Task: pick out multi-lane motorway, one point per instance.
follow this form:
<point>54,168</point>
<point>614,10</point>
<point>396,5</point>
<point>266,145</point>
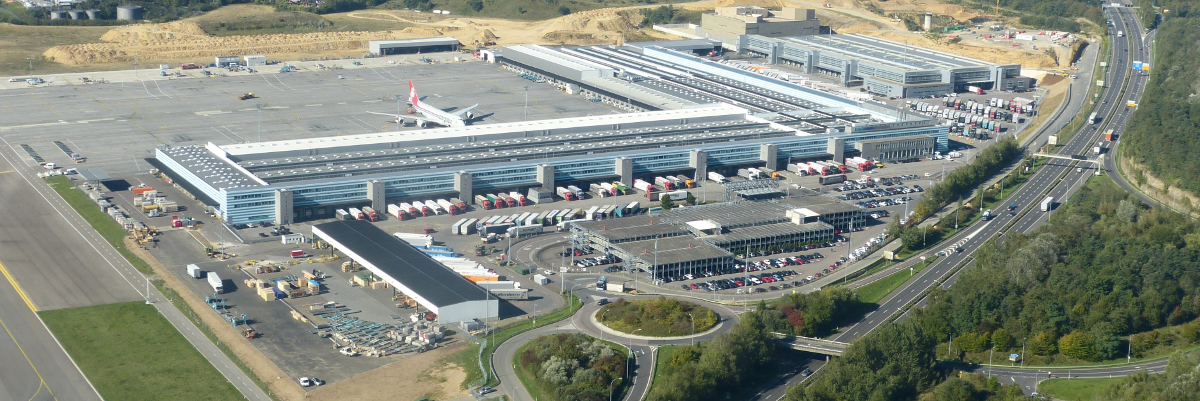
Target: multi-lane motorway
<point>1058,178</point>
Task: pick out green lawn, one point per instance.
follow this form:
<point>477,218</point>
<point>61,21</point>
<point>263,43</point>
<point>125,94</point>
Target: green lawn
<point>106,226</point>
<point>662,359</point>
<point>1075,389</point>
<point>130,352</point>
<point>874,292</point>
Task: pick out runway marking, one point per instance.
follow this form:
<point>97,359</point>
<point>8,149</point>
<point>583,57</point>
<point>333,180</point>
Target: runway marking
<point>211,112</point>
<point>312,105</point>
<point>16,286</point>
<point>6,172</point>
<point>95,120</point>
<point>42,381</point>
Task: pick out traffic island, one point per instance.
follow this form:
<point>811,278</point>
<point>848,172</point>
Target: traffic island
<point>657,318</point>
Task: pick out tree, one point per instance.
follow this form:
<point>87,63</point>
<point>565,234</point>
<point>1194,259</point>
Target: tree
<point>564,10</point>
<point>476,5</point>
<point>1043,343</point>
<point>1001,340</point>
<point>666,202</point>
<point>1107,345</point>
<point>1078,344</point>
<point>954,389</point>
<point>691,199</point>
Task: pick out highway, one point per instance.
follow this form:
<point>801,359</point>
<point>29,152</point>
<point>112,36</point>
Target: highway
<point>1049,180</point>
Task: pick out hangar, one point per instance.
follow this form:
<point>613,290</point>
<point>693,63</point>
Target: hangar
<point>413,46</point>
<point>437,288</point>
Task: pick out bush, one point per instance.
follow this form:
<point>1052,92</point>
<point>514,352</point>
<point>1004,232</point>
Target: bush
<point>571,366</point>
<point>661,317</point>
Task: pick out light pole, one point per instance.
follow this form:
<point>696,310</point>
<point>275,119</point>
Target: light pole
<point>631,356</point>
<point>259,107</point>
<point>526,102</point>
<point>610,387</point>
<point>602,323</point>
<point>693,319</point>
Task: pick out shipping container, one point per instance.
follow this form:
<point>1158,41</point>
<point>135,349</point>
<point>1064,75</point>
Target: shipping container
<point>469,227</point>
<point>518,232</point>
<point>456,229</point>
<point>495,229</point>
<point>828,180</point>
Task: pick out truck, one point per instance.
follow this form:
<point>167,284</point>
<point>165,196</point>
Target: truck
<point>357,213</point>
<point>370,213</point>
<point>521,199</point>
<point>342,214</point>
<point>484,202</point>
<point>412,210</point>
<point>612,190</point>
<point>716,177</point>
<point>564,193</point>
<point>424,208</point>
<point>188,66</point>
<point>1108,135</point>
<point>297,253</point>
<point>462,206</point>
<point>395,210</point>
<point>1047,203</point>
<point>215,282</point>
<point>987,215</point>
<point>1096,150</point>
<point>665,183</point>
<point>600,191</point>
<point>602,283</point>
<point>578,192</point>
<point>975,89</point>
<point>831,179</point>
<point>496,201</point>
<point>450,208</point>
<point>676,195</point>
<point>524,231</point>
<point>622,189</point>
<point>1120,34</point>
<point>508,200</point>
<point>497,229</point>
<point>194,271</point>
<point>642,186</point>
<point>687,182</point>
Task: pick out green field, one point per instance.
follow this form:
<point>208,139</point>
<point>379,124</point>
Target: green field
<point>130,352</point>
<point>1075,389</point>
<point>875,292</point>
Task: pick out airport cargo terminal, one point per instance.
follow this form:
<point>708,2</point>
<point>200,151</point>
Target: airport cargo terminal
<point>691,116</point>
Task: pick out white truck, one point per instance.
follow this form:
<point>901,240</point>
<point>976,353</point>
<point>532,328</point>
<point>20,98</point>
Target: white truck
<point>1047,203</point>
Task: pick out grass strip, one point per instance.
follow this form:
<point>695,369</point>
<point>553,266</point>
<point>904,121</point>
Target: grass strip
<point>875,292</point>
<point>1076,389</point>
<point>106,226</point>
<point>115,234</point>
<point>131,352</point>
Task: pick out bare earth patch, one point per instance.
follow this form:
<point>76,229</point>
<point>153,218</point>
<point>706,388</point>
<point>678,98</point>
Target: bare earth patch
<point>415,377</point>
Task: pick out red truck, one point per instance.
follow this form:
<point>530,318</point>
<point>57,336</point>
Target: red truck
<point>484,202</point>
<point>298,253</point>
<point>188,66</point>
<point>462,206</point>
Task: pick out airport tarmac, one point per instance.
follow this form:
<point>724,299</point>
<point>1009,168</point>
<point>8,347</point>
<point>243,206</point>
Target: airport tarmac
<point>117,125</point>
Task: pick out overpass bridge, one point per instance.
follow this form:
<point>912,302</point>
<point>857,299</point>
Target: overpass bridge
<point>814,345</point>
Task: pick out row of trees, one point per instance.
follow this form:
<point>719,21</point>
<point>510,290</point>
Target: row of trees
<point>573,367</point>
<point>1103,268</point>
<point>728,363</point>
<point>1057,13</point>
<point>1161,134</point>
<point>967,178</point>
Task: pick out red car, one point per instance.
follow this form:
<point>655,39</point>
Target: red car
<point>694,286</point>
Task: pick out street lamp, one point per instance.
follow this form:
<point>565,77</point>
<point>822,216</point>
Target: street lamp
<point>631,356</point>
<point>693,319</point>
<point>602,323</point>
<point>526,102</point>
<point>610,388</point>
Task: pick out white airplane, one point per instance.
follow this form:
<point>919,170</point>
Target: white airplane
<point>430,114</point>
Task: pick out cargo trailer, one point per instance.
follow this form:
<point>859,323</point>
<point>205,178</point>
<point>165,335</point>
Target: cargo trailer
<point>215,282</point>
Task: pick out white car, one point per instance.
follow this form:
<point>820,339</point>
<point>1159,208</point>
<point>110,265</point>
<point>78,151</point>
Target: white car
<point>305,382</point>
<point>347,351</point>
<point>548,273</point>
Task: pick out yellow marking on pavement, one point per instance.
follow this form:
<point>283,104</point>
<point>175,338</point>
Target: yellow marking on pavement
<point>6,172</point>
<point>42,381</point>
<point>16,286</point>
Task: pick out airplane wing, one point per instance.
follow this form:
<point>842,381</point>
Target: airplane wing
<point>385,114</point>
<point>465,111</point>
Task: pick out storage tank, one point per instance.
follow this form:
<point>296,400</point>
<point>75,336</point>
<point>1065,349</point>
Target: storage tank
<point>93,14</point>
<point>58,14</point>
<point>77,14</point>
<point>129,12</point>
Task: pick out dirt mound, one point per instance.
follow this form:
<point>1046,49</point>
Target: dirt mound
<point>422,31</point>
<point>155,32</point>
<point>761,3</point>
<point>485,36</point>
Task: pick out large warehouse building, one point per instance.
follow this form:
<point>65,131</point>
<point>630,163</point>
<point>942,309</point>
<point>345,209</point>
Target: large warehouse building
<point>884,67</point>
<point>695,116</point>
<point>437,288</point>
